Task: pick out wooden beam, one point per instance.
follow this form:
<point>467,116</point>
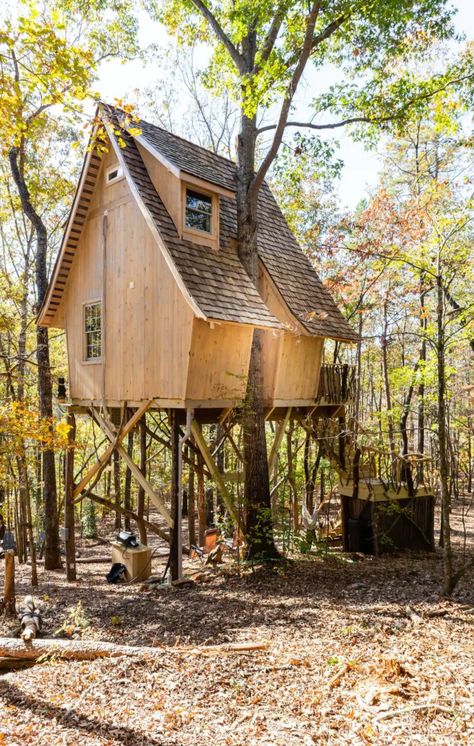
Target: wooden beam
<point>280,431</point>
<point>155,499</point>
<point>104,458</point>
<point>216,474</point>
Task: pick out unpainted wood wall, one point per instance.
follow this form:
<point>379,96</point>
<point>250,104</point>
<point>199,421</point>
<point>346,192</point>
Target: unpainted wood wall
<point>153,345</point>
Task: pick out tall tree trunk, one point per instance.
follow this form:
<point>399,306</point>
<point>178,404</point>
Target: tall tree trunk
<point>52,557</point>
<point>257,500</point>
<point>69,517</point>
<point>421,387</point>
<point>443,442</point>
<point>388,395</point>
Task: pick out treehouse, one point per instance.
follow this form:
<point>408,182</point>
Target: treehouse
<point>154,299</point>
<point>159,312</point>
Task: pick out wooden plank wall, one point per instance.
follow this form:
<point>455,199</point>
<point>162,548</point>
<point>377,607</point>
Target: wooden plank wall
<point>291,359</point>
<point>166,184</point>
<point>148,324</point>
<point>219,361</point>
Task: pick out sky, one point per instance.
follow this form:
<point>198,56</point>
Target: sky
<point>361,167</point>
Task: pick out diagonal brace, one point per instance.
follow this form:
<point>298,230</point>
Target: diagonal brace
<point>155,499</point>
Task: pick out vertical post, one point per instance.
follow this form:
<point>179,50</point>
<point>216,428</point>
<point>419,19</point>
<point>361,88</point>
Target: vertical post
<point>175,546</point>
<point>201,499</point>
<point>191,501</point>
<point>9,586</point>
<point>141,491</point>
<point>69,521</point>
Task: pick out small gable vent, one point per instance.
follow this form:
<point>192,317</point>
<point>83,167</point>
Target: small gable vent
<point>115,173</point>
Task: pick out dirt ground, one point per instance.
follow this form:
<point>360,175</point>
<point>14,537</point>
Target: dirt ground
<point>346,661</point>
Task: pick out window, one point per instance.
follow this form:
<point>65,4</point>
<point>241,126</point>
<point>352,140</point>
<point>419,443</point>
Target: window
<point>93,331</point>
<point>113,174</point>
<point>198,211</point>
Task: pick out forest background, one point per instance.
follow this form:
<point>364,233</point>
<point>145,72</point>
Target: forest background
<point>396,252</point>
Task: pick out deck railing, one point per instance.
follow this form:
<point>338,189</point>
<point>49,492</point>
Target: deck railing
<point>336,384</point>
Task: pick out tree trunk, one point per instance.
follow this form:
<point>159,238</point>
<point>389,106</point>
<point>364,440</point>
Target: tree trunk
<point>421,388</point>
<point>257,501</point>
<point>45,389</point>
<point>443,443</point>
<point>69,521</point>
<point>8,605</point>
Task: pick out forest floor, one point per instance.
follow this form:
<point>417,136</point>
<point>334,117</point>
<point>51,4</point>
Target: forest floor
<point>359,650</point>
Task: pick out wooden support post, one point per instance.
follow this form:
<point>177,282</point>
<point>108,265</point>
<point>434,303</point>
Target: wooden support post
<point>191,503</point>
<point>8,605</point>
<point>215,473</point>
<point>175,547</point>
<point>281,427</point>
<point>69,522</point>
<point>141,491</point>
<point>201,499</point>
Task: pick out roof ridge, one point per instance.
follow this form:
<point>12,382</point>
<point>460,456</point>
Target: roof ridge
<point>173,134</point>
<point>190,142</point>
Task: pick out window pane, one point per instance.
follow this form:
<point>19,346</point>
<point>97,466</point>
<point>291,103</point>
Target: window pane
<point>198,211</point>
<point>93,330</point>
<point>196,201</point>
<point>198,220</point>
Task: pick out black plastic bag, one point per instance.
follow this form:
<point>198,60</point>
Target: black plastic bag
<point>117,573</point>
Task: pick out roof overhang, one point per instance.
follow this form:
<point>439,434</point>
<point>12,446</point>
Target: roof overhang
<point>75,223</point>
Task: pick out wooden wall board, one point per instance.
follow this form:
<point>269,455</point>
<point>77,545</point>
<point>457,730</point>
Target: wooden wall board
<point>219,361</point>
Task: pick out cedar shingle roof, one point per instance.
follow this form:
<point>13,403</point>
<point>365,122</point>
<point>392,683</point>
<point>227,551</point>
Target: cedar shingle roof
<point>289,268</point>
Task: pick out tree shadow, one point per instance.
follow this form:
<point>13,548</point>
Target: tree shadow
<point>71,718</point>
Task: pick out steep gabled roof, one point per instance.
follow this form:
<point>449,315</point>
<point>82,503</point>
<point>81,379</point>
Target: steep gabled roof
<point>214,282</point>
<point>189,157</point>
<point>291,271</point>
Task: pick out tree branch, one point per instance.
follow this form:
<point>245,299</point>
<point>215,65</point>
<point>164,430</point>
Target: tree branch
<point>270,39</point>
<point>220,33</point>
<point>298,72</point>
<point>371,120</point>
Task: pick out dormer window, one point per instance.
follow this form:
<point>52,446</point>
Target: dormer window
<point>113,174</point>
<point>198,212</point>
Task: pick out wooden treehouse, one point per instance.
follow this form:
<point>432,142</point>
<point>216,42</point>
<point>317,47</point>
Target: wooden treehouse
<point>158,310</point>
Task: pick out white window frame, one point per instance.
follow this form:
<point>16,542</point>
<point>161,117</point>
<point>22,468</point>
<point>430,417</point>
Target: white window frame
<point>117,177</point>
<point>87,304</point>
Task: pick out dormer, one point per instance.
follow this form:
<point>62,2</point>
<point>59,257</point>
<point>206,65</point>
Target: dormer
<point>192,202</point>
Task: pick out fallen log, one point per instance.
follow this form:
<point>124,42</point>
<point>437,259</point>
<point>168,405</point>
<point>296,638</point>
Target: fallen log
<point>83,650</point>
